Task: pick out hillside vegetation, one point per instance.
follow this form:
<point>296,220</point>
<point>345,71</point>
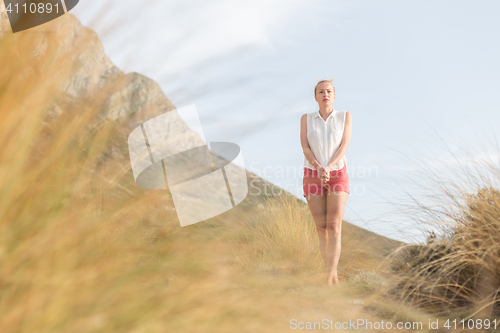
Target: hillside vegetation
<point>83,249</point>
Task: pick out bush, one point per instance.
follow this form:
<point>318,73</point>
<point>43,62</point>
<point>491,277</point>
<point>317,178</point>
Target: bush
<point>459,270</point>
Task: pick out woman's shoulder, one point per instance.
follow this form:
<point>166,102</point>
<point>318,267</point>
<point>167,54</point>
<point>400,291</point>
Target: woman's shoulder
<point>346,113</point>
<point>347,117</point>
<point>305,115</point>
<point>303,119</point>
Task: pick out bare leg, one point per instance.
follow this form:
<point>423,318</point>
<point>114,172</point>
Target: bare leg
<point>335,210</point>
<point>317,205</point>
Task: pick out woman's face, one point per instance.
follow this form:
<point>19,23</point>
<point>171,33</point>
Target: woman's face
<point>324,94</point>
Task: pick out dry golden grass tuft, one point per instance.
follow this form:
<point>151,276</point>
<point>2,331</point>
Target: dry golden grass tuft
<point>457,271</point>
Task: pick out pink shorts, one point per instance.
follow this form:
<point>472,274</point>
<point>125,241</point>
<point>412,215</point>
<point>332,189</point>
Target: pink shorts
<point>339,181</point>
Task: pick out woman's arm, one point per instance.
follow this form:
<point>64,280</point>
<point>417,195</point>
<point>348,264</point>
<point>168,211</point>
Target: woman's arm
<point>346,138</point>
<point>305,145</point>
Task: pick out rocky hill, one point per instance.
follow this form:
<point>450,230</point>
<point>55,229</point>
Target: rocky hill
<point>134,97</point>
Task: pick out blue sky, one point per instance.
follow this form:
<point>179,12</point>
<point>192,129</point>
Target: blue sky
<point>419,77</point>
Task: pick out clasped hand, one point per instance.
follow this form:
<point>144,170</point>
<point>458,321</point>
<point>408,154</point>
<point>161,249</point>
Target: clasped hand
<point>324,173</point>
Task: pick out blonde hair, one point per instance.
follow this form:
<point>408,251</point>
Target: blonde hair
<point>321,81</point>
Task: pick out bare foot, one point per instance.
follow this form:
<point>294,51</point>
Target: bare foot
<point>332,281</point>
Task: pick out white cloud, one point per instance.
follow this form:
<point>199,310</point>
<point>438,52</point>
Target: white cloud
<point>182,33</point>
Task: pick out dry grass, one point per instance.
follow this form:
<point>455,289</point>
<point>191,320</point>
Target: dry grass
<point>458,271</point>
<point>455,273</point>
<point>281,235</point>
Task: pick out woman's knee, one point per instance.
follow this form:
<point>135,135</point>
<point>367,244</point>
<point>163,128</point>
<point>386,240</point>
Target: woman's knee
<point>321,227</point>
<point>335,229</point>
<point>334,216</point>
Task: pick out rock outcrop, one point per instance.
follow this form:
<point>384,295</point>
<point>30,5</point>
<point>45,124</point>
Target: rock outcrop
<point>131,98</point>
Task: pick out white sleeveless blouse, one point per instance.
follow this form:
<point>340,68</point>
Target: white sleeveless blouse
<point>324,138</point>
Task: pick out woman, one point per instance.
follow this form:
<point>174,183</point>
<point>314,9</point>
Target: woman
<point>325,136</point>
